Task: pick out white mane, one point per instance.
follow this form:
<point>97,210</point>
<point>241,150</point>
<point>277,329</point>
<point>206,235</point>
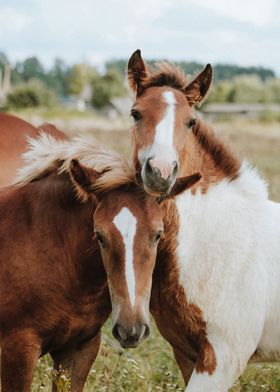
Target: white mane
<point>45,152</point>
<point>250,183</point>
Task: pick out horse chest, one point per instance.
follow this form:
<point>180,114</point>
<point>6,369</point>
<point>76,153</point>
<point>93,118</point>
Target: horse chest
<point>77,322</point>
<point>216,244</point>
<point>180,322</point>
<point>173,328</point>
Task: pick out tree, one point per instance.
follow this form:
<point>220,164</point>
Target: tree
<point>105,87</point>
<point>79,76</point>
<point>221,92</point>
<point>57,77</point>
<point>247,89</point>
<point>273,87</point>
<point>3,60</point>
<point>31,94</point>
<point>31,68</point>
<point>117,66</point>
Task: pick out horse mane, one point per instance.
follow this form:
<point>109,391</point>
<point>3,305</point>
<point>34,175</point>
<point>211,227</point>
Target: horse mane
<point>222,156</point>
<point>166,74</point>
<point>47,154</point>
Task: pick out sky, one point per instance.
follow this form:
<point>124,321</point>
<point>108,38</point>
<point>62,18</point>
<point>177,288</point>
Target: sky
<point>244,32</point>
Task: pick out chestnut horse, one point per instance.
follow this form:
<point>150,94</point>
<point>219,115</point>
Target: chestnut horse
<point>215,295</point>
<point>14,133</point>
<point>55,283</point>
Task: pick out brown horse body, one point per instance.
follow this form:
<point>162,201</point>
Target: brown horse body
<point>54,293</point>
<point>54,289</point>
<point>73,336</point>
<point>13,143</point>
<point>69,330</point>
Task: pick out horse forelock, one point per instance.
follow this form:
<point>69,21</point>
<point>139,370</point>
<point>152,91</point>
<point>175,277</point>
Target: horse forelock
<point>166,74</point>
<point>47,154</point>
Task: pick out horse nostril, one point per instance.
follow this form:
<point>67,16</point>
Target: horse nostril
<point>146,331</point>
<point>118,332</point>
<point>175,168</point>
<point>149,167</point>
<point>143,332</point>
<point>152,170</point>
<point>115,331</point>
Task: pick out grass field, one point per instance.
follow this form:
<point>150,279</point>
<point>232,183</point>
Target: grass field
<point>151,366</point>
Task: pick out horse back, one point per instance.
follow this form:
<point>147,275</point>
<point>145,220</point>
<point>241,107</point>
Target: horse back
<point>13,143</point>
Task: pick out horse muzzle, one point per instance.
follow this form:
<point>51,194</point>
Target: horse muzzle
<point>158,181</point>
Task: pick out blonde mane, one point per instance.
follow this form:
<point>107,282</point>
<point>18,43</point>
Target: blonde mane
<point>47,154</point>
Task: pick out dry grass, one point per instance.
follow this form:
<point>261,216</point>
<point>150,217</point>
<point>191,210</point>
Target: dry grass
<point>151,367</point>
<point>260,144</point>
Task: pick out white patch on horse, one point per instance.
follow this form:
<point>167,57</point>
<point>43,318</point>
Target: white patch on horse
<point>228,255</point>
<point>163,146</point>
<point>126,224</point>
<point>165,128</point>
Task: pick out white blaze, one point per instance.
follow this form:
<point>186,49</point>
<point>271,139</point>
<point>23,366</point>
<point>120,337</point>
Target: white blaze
<point>126,223</point>
<point>162,147</point>
<point>165,128</point>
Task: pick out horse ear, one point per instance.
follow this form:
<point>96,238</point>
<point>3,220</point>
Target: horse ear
<point>198,88</point>
<point>136,72</point>
<point>184,183</point>
<point>83,178</point>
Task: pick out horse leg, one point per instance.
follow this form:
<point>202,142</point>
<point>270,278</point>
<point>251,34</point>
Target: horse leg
<point>19,357</point>
<point>185,364</point>
<point>77,361</point>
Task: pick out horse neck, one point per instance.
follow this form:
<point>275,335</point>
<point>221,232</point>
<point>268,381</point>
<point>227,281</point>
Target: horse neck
<point>167,292</point>
<point>65,225</point>
<point>204,152</point>
<point>166,272</point>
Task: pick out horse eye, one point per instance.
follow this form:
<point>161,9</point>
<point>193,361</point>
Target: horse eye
<point>136,115</point>
<point>99,238</point>
<point>191,123</point>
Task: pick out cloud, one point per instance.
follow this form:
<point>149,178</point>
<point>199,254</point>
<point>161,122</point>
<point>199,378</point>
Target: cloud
<point>257,12</point>
<point>244,32</point>
<point>12,21</point>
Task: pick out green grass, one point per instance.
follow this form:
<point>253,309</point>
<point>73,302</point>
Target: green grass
<point>53,113</point>
<point>151,366</point>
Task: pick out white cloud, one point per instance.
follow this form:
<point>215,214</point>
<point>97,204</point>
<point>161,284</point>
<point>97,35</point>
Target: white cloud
<point>257,12</point>
<point>13,21</point>
<point>243,31</point>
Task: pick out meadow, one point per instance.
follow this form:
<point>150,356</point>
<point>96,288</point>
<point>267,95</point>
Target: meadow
<point>151,366</point>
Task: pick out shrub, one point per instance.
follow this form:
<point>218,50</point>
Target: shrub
<point>101,93</point>
<point>247,89</point>
<point>30,94</point>
<point>104,88</point>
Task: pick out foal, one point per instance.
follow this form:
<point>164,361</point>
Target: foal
<point>218,269</point>
<point>54,287</point>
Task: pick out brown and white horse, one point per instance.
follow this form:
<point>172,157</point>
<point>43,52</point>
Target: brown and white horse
<point>215,293</point>
<point>14,133</point>
<point>164,117</point>
<point>55,284</point>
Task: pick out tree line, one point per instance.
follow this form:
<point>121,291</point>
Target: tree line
<point>34,85</point>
